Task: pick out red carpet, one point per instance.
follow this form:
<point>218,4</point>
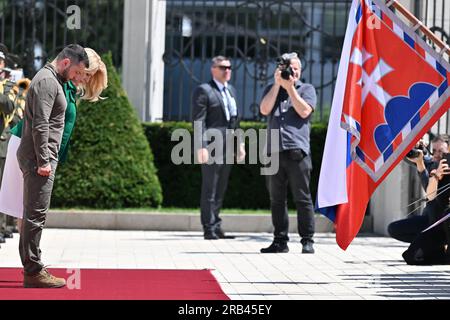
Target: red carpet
<point>113,284</point>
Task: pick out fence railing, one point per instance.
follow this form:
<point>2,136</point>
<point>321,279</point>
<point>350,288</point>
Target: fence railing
<point>436,15</point>
<point>36,30</point>
<point>253,34</point>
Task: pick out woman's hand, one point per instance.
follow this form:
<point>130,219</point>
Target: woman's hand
<point>442,169</point>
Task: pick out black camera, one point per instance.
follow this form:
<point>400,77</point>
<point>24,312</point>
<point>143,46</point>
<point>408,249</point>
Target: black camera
<point>284,64</point>
<point>446,156</point>
<point>415,152</point>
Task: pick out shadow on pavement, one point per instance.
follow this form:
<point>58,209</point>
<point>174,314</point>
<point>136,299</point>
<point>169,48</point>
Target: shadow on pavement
<point>424,284</point>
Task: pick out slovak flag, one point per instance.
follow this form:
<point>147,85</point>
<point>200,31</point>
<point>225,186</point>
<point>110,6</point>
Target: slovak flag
<point>391,88</point>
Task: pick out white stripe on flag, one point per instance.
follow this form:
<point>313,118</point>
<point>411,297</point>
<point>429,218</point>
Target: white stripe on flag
<point>346,118</point>
<point>398,31</point>
<point>379,163</point>
<point>434,97</point>
<point>332,188</point>
<point>353,123</point>
<point>431,61</point>
<point>406,130</point>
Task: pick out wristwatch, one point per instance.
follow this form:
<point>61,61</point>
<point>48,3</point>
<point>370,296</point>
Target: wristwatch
<point>434,175</point>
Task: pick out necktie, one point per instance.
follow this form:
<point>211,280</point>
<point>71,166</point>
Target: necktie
<point>230,104</point>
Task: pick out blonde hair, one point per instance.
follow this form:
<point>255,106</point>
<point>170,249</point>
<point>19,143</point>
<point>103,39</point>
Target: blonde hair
<point>98,81</point>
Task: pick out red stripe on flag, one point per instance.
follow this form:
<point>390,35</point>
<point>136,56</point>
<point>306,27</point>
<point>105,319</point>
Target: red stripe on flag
<point>388,21</point>
<point>370,164</point>
<point>423,111</point>
<point>350,215</point>
<point>419,50</point>
<point>397,142</point>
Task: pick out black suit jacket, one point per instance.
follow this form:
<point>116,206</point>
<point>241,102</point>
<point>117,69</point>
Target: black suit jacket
<point>208,110</point>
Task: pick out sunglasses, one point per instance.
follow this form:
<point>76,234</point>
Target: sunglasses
<point>223,68</point>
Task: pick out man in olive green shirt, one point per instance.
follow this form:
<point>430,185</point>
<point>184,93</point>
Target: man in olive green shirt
<point>38,156</point>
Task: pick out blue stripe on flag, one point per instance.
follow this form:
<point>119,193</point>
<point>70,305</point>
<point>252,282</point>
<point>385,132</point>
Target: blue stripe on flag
<point>349,154</point>
<point>358,14</point>
<point>441,69</point>
<point>414,121</point>
<point>388,153</point>
<point>408,40</point>
<point>329,212</point>
<point>442,88</point>
<point>360,154</point>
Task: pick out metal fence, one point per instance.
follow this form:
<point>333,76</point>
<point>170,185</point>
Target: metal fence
<point>253,34</point>
<point>36,30</point>
<point>436,15</point>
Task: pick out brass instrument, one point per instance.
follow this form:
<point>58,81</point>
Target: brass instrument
<point>21,89</point>
<point>21,86</point>
<point>17,92</point>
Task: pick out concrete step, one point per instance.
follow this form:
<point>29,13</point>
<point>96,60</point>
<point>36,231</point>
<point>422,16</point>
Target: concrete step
<point>156,221</point>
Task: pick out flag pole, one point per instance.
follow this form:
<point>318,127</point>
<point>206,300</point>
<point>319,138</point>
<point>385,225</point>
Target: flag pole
<point>417,23</point>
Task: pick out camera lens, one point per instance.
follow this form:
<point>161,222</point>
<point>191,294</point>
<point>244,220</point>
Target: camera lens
<point>414,153</point>
<point>285,74</point>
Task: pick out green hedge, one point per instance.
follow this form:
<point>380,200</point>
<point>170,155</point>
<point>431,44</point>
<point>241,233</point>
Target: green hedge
<point>110,164</point>
<point>181,184</point>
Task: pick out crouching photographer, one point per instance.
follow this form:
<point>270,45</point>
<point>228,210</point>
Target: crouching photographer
<point>431,245</point>
<point>408,229</point>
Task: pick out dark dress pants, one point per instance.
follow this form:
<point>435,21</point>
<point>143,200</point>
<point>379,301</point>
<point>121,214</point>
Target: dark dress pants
<point>408,229</point>
<point>36,199</point>
<point>214,185</point>
<point>297,174</point>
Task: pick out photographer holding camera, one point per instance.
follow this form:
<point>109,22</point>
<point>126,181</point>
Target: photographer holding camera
<point>431,246</point>
<point>289,103</point>
<point>408,229</point>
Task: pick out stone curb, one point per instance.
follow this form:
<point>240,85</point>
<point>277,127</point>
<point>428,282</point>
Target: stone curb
<point>155,221</point>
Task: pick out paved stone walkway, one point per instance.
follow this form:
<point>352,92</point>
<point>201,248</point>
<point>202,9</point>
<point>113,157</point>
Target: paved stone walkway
<point>371,268</point>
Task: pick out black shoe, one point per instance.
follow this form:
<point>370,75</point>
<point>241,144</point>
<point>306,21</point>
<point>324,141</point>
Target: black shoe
<point>276,247</point>
<point>2,239</point>
<point>308,247</point>
<point>12,229</point>
<point>222,235</point>
<point>7,234</point>
<point>210,236</point>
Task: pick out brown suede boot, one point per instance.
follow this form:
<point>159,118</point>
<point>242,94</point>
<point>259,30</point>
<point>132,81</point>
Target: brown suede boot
<point>43,279</point>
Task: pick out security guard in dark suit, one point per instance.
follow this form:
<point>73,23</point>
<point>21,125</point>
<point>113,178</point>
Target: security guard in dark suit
<point>214,107</point>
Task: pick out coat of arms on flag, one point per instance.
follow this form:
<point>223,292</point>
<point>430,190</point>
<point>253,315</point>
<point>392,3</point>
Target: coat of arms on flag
<point>391,88</point>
